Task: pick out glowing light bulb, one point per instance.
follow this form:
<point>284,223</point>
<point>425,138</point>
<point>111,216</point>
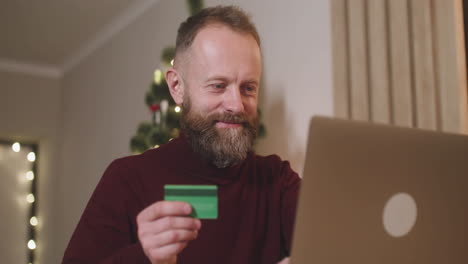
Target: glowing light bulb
<point>30,198</point>
<point>29,175</point>
<point>31,156</point>
<point>16,147</point>
<point>177,109</point>
<point>33,221</point>
<point>31,244</point>
<point>157,76</point>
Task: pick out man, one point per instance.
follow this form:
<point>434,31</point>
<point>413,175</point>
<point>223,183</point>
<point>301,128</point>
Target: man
<point>216,77</point>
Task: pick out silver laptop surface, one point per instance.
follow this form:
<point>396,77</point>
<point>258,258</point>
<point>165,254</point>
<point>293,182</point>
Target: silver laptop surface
<point>379,194</point>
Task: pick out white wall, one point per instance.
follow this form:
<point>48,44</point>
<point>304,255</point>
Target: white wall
<point>103,98</point>
<point>30,110</point>
<point>104,103</point>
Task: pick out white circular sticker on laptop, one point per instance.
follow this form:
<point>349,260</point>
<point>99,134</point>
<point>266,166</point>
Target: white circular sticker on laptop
<point>399,214</point>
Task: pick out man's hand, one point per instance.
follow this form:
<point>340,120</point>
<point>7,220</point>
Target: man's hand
<point>164,230</point>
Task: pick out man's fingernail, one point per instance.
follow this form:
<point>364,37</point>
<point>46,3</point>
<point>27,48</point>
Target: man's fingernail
<point>188,209</point>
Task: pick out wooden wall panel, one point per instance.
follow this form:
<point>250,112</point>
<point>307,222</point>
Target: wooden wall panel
<point>451,64</point>
<point>379,75</point>
<point>340,58</point>
<point>400,58</point>
<point>358,60</point>
<point>401,62</point>
<point>423,66</point>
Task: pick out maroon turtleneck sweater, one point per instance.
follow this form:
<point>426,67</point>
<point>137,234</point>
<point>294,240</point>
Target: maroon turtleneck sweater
<point>256,199</point>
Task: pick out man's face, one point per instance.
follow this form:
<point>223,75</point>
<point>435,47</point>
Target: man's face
<point>221,78</point>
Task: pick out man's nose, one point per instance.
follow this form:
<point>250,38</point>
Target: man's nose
<point>233,101</point>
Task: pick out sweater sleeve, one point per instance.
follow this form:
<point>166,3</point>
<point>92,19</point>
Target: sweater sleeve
<point>105,233</point>
<point>289,197</point>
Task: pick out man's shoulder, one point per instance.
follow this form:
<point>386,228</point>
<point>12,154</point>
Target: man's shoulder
<point>272,159</point>
<point>149,157</point>
<point>268,159</point>
<point>274,169</point>
<point>272,162</point>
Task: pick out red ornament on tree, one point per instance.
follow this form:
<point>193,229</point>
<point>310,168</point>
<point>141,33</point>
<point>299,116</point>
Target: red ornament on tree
<point>154,107</point>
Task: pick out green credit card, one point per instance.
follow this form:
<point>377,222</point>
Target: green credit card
<point>202,198</point>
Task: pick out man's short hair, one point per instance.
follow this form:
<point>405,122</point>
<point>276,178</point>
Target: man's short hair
<point>232,16</point>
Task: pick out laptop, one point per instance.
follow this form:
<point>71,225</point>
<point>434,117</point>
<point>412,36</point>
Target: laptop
<point>377,194</point>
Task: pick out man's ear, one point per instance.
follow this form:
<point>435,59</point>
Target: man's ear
<point>174,81</point>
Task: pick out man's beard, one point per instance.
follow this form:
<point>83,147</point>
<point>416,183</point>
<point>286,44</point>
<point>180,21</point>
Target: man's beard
<point>223,147</point>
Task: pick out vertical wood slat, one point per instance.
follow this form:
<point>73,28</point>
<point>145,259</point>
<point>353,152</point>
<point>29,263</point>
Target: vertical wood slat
<point>378,61</point>
<point>426,80</point>
<point>358,60</point>
<point>340,58</point>
<point>400,63</point>
<point>451,65</point>
<point>423,59</point>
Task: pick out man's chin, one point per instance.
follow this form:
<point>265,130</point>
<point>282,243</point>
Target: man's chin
<point>230,132</point>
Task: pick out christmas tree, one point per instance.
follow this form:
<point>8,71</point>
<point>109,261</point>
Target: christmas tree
<point>165,114</point>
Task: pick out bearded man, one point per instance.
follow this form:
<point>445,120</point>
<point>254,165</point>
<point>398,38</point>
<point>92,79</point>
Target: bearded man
<point>216,79</point>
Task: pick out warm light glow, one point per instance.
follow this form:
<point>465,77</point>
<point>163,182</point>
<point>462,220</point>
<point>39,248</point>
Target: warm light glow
<point>29,175</point>
<point>30,198</point>
<point>33,221</point>
<point>16,147</point>
<point>177,109</point>
<point>156,146</point>
<point>157,76</point>
<point>172,62</point>
<point>31,156</point>
<point>31,244</point>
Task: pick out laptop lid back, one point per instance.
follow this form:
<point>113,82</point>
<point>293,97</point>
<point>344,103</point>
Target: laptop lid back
<point>382,194</point>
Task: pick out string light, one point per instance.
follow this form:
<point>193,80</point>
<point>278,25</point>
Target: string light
<point>16,147</point>
<point>30,198</point>
<point>157,76</point>
<point>177,109</point>
<point>33,221</point>
<point>31,244</point>
<point>29,175</point>
<point>31,156</point>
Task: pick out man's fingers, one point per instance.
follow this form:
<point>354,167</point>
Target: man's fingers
<point>162,209</point>
<point>164,229</point>
<point>173,237</point>
<point>170,222</point>
<point>168,252</point>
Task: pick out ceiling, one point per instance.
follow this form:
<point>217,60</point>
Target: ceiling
<point>57,33</point>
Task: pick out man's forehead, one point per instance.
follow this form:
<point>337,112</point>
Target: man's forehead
<point>217,50</point>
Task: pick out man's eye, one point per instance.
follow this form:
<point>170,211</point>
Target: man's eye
<point>250,89</point>
<point>219,85</point>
